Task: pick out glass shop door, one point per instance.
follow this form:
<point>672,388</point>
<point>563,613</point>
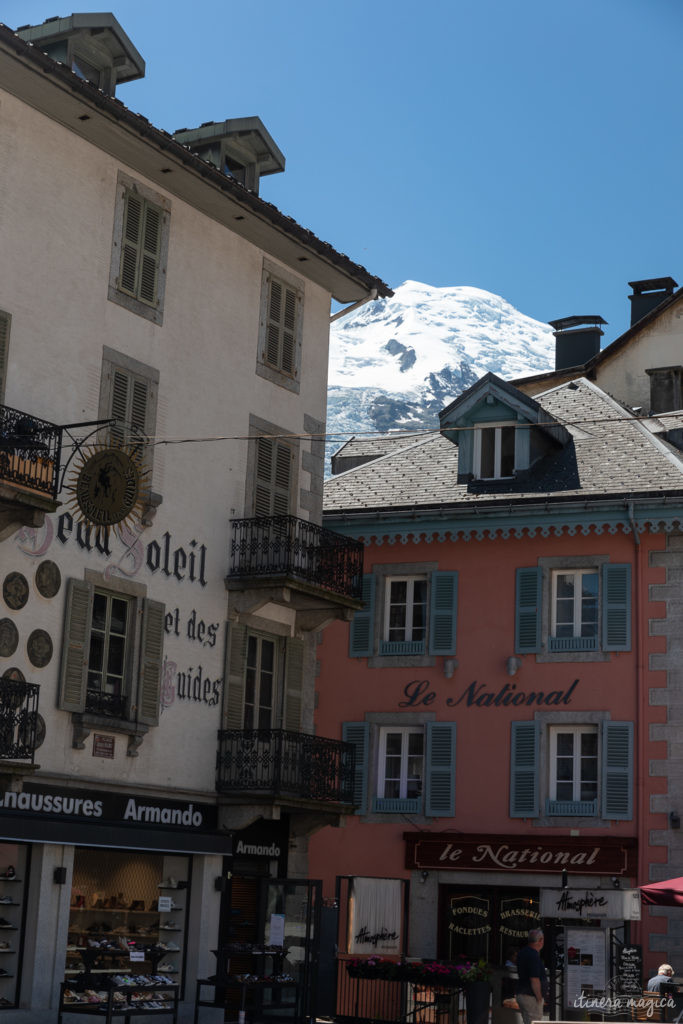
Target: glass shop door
<point>292,919</point>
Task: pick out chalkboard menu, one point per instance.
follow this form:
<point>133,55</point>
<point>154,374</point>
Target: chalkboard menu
<point>630,970</point>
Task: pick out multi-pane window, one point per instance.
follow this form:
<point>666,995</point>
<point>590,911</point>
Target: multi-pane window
<point>107,654</point>
<point>401,763</point>
<point>406,610</point>
<point>575,604</point>
<point>259,683</point>
<point>140,248</point>
<point>494,452</point>
<point>574,763</point>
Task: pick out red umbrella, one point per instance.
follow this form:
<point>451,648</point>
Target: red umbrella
<point>664,894</point>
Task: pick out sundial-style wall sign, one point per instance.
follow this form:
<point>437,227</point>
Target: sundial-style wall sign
<point>108,486</point>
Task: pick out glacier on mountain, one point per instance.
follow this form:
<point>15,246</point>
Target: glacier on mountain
<point>396,362</point>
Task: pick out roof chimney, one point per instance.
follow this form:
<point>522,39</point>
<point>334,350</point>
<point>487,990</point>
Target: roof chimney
<point>577,339</point>
<point>94,46</point>
<point>240,147</point>
<point>647,295</point>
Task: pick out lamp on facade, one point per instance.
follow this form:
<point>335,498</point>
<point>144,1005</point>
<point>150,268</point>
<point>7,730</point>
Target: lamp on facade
<point>513,665</point>
<point>449,667</point>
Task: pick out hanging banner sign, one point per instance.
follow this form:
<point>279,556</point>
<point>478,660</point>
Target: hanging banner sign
<point>375,906</point>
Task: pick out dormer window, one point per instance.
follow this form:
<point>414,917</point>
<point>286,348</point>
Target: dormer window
<point>494,451</point>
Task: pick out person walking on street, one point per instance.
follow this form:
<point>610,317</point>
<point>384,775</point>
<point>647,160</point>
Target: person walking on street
<point>532,982</point>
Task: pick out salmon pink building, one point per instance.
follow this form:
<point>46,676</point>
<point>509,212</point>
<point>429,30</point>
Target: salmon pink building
<point>502,687</point>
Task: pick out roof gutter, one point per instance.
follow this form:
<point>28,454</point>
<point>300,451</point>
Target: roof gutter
<point>370,297</point>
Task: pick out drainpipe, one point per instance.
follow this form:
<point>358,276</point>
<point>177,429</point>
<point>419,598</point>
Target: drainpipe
<point>355,305</point>
<point>641,723</point>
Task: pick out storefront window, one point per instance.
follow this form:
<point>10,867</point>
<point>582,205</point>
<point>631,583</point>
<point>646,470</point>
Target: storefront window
<point>490,923</point>
<point>128,913</point>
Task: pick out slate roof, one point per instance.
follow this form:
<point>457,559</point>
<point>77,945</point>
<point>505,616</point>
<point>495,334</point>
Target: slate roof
<point>359,447</point>
<point>610,454</point>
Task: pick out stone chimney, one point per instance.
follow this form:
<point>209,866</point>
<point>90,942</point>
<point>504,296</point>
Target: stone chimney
<point>647,295</point>
<point>577,339</point>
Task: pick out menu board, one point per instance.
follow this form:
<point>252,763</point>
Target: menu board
<point>585,964</point>
<point>630,970</point>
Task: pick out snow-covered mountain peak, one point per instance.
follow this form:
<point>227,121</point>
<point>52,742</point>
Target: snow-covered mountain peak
<point>396,362</point>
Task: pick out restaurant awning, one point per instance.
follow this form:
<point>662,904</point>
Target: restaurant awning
<point>668,893</point>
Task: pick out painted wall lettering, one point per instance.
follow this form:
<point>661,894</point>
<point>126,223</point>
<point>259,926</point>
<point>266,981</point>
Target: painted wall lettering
<point>418,693</point>
<point>195,629</point>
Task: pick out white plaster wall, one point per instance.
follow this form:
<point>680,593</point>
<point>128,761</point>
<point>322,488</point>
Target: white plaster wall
<point>57,195</point>
<point>660,344</point>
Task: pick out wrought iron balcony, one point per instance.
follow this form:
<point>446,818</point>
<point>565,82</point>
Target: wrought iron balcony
<point>277,763</point>
<point>30,451</point>
<point>284,546</point>
<point>111,704</point>
<point>19,721</point>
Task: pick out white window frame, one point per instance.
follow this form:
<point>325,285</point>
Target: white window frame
<point>256,704</point>
<point>125,677</point>
<point>577,731</point>
<point>497,427</point>
<point>405,731</point>
<point>578,604</point>
<point>410,607</point>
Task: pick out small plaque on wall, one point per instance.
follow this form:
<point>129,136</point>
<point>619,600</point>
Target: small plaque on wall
<point>102,746</point>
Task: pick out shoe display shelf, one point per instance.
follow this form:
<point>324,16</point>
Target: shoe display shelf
<point>11,893</point>
<point>108,927</point>
<point>128,996</point>
<point>265,992</point>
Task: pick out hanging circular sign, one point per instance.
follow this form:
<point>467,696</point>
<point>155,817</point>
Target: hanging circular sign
<point>107,488</point>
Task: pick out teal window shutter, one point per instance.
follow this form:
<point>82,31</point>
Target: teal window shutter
<point>528,611</point>
<point>443,610</point>
<point>617,771</point>
<point>357,734</point>
<point>440,770</point>
<point>361,640</point>
<point>616,607</point>
<point>524,770</point>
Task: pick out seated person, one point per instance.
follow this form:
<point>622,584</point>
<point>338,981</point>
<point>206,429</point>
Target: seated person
<point>663,976</point>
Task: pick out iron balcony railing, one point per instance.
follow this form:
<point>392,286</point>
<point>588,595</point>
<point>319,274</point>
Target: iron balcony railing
<point>19,722</point>
<point>280,763</point>
<point>30,451</point>
<point>111,704</point>
<point>287,546</point>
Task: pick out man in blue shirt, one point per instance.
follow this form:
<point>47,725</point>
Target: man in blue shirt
<point>662,977</point>
<point>532,978</point>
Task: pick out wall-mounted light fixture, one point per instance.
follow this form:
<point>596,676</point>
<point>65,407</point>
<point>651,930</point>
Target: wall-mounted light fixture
<point>616,882</point>
<point>59,876</point>
<point>674,819</point>
<point>513,665</point>
<point>424,875</point>
<point>449,667</point>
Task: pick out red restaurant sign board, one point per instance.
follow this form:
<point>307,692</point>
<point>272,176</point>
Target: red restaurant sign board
<point>451,851</point>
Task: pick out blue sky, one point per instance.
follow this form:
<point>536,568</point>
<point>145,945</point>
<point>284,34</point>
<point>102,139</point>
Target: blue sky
<point>528,147</point>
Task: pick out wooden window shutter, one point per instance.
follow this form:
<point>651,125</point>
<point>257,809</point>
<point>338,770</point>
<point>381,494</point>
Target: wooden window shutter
<point>130,243</point>
<point>528,611</point>
<point>120,388</point>
<point>132,406</point>
<point>5,322</point>
<point>357,734</point>
<point>151,247</point>
<point>617,771</point>
<point>440,770</point>
<point>616,607</point>
<point>76,646</point>
<point>237,658</point>
<point>151,656</point>
<point>273,477</point>
<point>443,610</point>
<point>273,323</point>
<point>294,675</point>
<point>524,770</point>
<point>361,635</point>
<point>289,330</point>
